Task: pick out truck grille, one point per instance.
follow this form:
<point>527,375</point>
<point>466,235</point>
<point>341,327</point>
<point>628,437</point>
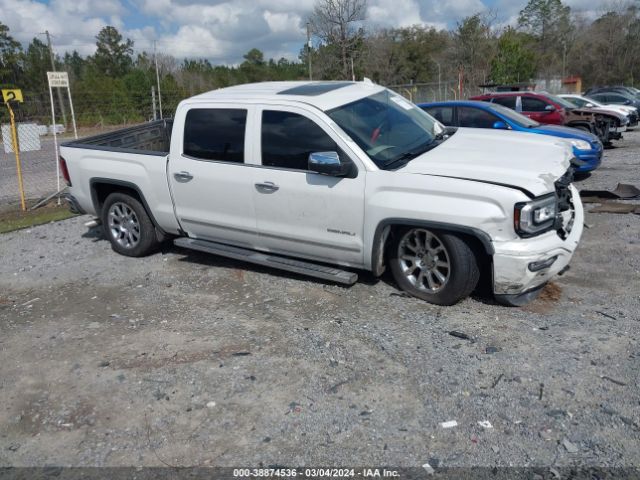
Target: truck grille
<point>566,209</point>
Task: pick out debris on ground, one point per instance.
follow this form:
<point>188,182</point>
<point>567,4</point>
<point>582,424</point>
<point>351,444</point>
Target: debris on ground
<point>606,315</point>
<point>491,349</point>
<point>616,207</point>
<point>449,424</point>
<point>461,335</point>
<point>613,380</point>
<point>430,470</point>
<point>569,446</point>
<point>622,191</point>
<point>485,424</point>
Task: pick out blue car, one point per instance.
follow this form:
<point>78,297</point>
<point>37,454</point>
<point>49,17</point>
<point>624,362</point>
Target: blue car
<point>587,148</point>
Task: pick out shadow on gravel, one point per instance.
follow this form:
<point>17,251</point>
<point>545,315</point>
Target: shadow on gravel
<point>94,234</point>
<point>579,176</point>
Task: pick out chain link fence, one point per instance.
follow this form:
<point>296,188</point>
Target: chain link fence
<point>96,113</point>
<point>435,91</point>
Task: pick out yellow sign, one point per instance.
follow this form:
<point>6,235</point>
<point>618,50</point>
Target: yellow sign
<point>12,95</point>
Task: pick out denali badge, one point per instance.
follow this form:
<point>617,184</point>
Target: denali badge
<point>341,232</point>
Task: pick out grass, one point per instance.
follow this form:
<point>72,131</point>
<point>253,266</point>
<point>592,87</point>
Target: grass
<point>16,220</point>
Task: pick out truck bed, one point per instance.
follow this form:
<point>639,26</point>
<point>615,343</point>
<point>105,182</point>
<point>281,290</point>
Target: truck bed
<point>152,138</point>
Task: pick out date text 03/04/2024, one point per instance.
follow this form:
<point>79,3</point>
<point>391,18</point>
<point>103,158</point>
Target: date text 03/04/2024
<point>315,473</point>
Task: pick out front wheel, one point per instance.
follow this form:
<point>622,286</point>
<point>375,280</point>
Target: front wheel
<point>127,226</point>
<point>438,267</point>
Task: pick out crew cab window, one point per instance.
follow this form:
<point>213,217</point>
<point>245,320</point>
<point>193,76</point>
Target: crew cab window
<point>507,101</point>
<point>215,134</point>
<point>475,118</point>
<point>530,104</point>
<point>289,138</point>
<point>442,114</point>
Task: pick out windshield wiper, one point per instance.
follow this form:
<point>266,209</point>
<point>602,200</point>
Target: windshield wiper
<point>408,156</point>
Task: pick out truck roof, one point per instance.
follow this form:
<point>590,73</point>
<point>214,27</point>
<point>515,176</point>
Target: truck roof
<point>320,94</point>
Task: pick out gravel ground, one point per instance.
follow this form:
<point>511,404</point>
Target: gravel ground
<point>185,359</point>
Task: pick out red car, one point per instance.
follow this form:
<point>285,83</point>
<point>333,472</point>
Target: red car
<point>536,106</point>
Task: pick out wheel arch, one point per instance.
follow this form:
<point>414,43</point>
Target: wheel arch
<point>101,188</point>
<point>384,230</point>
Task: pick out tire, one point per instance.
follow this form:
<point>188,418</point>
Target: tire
<point>435,266</point>
<point>127,225</point>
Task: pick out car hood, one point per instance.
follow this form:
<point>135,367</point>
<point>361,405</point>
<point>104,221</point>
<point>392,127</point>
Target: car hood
<point>567,132</point>
<point>518,160</point>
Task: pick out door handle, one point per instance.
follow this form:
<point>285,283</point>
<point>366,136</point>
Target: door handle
<point>268,187</point>
<point>183,177</point>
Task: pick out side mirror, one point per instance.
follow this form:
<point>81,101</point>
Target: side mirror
<point>549,108</point>
<point>500,126</point>
<point>328,163</point>
<point>589,105</point>
<point>627,102</point>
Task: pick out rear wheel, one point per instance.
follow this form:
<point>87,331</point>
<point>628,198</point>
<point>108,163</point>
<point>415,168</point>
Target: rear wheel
<point>438,267</point>
<point>127,226</point>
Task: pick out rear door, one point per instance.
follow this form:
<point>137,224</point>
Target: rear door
<point>444,114</point>
<point>210,182</point>
<point>299,212</point>
<point>508,101</point>
<point>471,117</point>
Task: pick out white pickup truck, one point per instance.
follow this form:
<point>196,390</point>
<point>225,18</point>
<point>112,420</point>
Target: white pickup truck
<point>312,177</point>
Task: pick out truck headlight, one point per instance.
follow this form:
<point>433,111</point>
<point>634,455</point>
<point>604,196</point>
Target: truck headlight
<point>581,144</point>
<point>535,217</point>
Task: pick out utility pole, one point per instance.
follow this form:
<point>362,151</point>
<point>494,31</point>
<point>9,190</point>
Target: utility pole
<point>153,102</point>
<point>155,57</point>
<point>53,69</point>
<point>564,60</point>
<point>439,83</point>
<point>309,48</point>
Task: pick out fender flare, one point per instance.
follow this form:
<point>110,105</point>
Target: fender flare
<point>120,183</point>
<point>381,233</point>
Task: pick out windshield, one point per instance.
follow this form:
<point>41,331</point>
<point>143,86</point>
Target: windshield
<point>388,127</point>
<point>562,101</point>
<point>515,117</point>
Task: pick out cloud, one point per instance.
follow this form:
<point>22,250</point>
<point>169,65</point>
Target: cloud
<point>223,30</point>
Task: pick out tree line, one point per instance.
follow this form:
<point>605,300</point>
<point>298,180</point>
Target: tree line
<point>114,85</point>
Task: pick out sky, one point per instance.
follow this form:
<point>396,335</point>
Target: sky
<point>223,30</point>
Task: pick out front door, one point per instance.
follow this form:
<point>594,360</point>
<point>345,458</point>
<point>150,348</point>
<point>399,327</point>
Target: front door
<point>299,212</point>
<point>536,109</point>
<point>209,179</point>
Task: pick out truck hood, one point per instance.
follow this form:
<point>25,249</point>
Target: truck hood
<point>524,161</point>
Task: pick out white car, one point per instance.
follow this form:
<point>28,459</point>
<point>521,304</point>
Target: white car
<point>311,177</point>
<point>586,102</point>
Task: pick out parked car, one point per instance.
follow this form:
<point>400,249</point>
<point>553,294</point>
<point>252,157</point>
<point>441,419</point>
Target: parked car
<point>609,125</point>
<point>533,105</point>
<point>547,109</point>
<point>298,175</point>
<point>615,98</point>
<point>587,148</point>
<point>584,102</point>
<point>634,92</point>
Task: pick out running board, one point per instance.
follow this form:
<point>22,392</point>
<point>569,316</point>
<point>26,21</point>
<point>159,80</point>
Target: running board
<point>267,260</point>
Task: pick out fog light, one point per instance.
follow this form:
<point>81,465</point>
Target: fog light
<point>542,264</point>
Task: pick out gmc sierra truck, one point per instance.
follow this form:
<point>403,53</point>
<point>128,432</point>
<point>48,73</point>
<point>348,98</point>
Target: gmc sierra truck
<point>324,178</point>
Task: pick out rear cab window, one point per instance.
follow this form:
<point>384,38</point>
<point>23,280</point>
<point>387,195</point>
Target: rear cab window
<point>215,134</point>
